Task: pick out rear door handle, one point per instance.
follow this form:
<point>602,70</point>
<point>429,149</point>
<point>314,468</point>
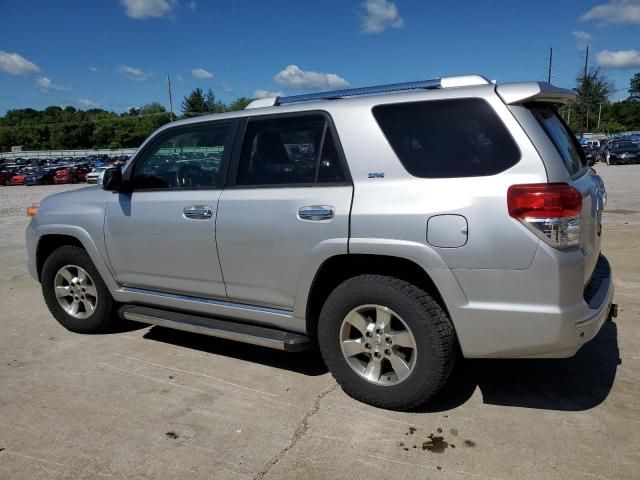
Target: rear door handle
<point>197,212</point>
<point>316,213</point>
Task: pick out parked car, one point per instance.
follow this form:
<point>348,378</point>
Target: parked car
<point>70,174</point>
<point>42,176</point>
<point>590,154</point>
<point>455,215</point>
<point>92,177</point>
<point>5,177</point>
<point>19,175</point>
<point>622,153</point>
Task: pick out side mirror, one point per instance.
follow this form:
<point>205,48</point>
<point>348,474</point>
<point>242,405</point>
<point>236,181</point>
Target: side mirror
<point>110,178</point>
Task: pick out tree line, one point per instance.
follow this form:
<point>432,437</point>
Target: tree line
<point>56,128</point>
<point>594,112</point>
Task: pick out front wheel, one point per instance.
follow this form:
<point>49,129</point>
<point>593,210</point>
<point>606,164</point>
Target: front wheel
<point>387,342</point>
<point>75,293</point>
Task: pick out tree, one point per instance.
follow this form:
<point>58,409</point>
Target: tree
<point>592,90</point>
<point>634,87</point>
<point>194,103</point>
<point>238,104</point>
<point>212,105</point>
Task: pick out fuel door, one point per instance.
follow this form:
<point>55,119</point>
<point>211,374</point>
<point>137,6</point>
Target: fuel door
<point>447,231</point>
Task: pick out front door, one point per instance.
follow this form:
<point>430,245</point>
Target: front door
<point>162,236</point>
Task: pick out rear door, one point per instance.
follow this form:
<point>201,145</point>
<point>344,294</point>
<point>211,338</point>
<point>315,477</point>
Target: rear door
<point>289,195</point>
<point>590,185</point>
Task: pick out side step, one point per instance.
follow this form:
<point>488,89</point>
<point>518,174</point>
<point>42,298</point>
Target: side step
<point>241,332</point>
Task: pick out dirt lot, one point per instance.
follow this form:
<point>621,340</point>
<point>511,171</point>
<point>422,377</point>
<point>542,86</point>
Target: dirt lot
<point>152,403</point>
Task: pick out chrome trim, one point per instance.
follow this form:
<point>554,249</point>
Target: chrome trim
<point>316,213</point>
<point>197,212</point>
<point>269,316</point>
<point>212,332</point>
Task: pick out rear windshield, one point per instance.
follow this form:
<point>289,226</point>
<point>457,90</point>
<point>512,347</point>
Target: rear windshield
<point>631,146</point>
<point>565,141</point>
<point>448,138</point>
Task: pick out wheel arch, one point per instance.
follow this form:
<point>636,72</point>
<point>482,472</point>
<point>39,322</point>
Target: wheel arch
<point>339,268</point>
<point>51,238</point>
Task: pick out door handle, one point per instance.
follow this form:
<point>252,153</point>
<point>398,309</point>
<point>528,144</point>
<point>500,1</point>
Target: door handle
<point>316,213</point>
<point>197,212</point>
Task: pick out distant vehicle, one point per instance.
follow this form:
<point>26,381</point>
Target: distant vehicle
<point>5,177</point>
<point>622,153</point>
<point>18,177</point>
<point>590,153</point>
<point>42,176</point>
<point>92,177</point>
<point>70,174</point>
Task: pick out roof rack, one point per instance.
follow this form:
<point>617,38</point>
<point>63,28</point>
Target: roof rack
<point>444,82</point>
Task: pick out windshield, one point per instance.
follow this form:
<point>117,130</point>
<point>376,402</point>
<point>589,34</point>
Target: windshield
<point>565,141</point>
<point>626,146</point>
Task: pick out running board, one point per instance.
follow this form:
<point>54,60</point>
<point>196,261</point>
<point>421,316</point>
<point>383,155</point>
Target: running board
<point>241,332</point>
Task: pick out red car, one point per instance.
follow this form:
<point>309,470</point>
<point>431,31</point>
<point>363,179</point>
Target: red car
<point>18,177</point>
<point>5,178</point>
<point>70,175</point>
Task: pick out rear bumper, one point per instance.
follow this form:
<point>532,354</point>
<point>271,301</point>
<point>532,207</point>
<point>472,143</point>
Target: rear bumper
<point>537,330</point>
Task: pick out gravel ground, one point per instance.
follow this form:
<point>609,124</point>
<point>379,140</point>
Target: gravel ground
<point>15,200</point>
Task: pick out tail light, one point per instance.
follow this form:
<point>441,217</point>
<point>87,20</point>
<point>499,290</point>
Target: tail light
<point>550,210</point>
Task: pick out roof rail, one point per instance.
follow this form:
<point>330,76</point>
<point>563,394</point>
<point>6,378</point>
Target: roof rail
<point>445,82</point>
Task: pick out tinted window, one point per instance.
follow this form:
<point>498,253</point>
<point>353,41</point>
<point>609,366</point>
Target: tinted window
<point>187,158</point>
<point>448,138</point>
<point>288,150</point>
<point>565,141</point>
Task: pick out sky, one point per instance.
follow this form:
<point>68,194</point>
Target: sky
<point>116,54</point>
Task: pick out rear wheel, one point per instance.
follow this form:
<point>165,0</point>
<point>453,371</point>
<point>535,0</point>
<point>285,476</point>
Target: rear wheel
<point>386,341</point>
<point>75,293</point>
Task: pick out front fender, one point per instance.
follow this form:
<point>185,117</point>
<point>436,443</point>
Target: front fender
<point>36,233</point>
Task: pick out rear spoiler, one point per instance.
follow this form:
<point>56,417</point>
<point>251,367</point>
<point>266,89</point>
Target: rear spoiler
<point>515,93</point>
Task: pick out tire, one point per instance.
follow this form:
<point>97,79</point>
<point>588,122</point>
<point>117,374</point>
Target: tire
<point>67,260</point>
<point>411,309</point>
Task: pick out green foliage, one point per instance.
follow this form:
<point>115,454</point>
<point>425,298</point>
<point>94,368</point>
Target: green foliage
<point>238,104</point>
<point>634,87</point>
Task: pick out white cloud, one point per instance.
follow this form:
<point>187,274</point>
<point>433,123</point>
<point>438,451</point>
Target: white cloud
<point>266,94</point>
<point>85,102</point>
<point>94,69</point>
<point>201,74</point>
<point>582,39</point>
<point>192,6</point>
<point>16,64</point>
<point>140,9</point>
<point>294,76</point>
<point>46,85</point>
<point>133,73</point>
<point>381,14</point>
<point>180,78</point>
<point>620,60</point>
<point>616,11</point>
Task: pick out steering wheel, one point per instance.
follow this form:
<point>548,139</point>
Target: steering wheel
<point>188,175</point>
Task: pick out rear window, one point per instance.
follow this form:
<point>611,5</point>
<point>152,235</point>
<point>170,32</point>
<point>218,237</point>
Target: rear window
<point>448,138</point>
<point>565,141</point>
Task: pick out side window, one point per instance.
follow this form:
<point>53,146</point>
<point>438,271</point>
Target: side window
<point>187,158</point>
<point>330,169</point>
<point>288,150</point>
<point>448,138</point>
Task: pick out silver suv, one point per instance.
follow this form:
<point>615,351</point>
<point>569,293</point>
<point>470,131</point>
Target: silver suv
<point>396,226</point>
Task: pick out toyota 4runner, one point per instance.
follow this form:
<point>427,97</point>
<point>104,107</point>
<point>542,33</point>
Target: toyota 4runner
<point>397,226</point>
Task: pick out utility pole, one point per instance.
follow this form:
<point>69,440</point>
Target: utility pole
<point>550,64</point>
<point>170,97</point>
<point>585,88</point>
<point>599,113</point>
